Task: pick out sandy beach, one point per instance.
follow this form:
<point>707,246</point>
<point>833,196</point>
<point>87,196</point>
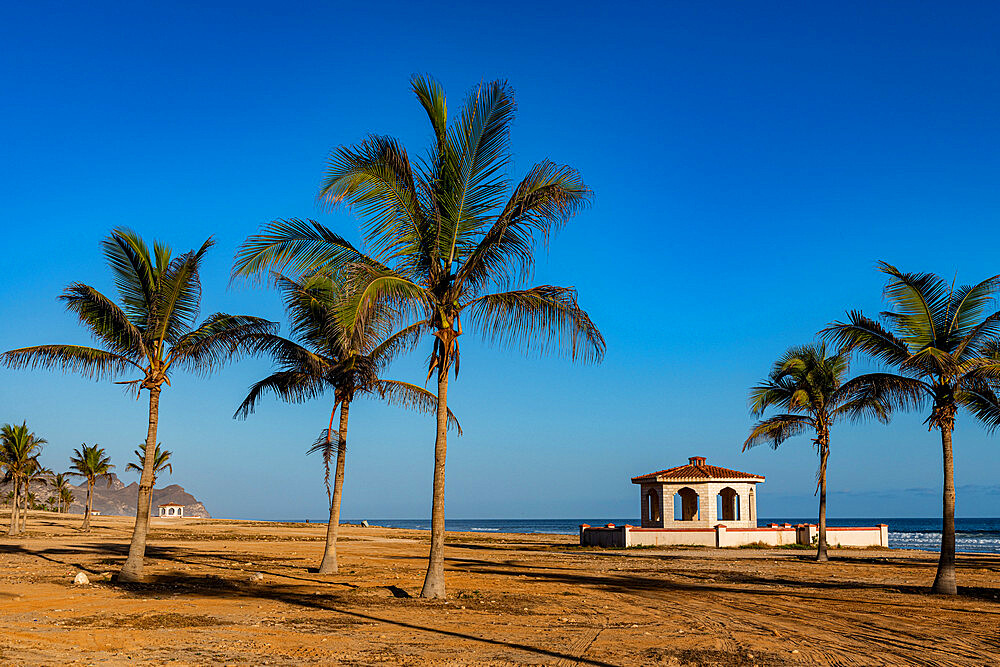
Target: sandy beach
<point>514,599</point>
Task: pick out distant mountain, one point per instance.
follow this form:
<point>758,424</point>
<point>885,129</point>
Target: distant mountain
<point>120,499</point>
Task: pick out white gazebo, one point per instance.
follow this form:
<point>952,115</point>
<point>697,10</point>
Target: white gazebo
<point>171,510</point>
<point>708,506</point>
<point>698,495</point>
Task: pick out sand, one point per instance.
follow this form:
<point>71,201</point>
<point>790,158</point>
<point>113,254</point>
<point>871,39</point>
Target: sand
<point>514,599</point>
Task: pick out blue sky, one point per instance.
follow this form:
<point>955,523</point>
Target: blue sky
<point>751,163</point>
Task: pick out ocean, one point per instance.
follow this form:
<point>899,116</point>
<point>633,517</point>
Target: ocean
<point>971,535</point>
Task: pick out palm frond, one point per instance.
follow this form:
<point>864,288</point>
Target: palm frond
<point>376,292</point>
<point>475,172</point>
<point>327,444</point>
<point>969,305</point>
<point>87,361</point>
<point>218,340</point>
<point>539,319</point>
<point>178,298</point>
<point>289,386</point>
<point>984,334</point>
<point>921,302</point>
<point>136,277</point>
<point>877,395</point>
<point>981,399</point>
<point>105,320</point>
<point>431,96</point>
<point>775,430</point>
<point>412,397</point>
<point>403,341</point>
<point>774,391</point>
<point>543,201</point>
<point>302,246</point>
<point>866,335</point>
<point>376,178</point>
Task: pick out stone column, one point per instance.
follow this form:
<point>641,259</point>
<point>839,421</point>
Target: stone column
<point>707,503</point>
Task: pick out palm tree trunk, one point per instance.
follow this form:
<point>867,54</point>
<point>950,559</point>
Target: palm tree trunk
<point>24,514</point>
<point>434,580</point>
<point>945,582</point>
<point>14,502</point>
<point>90,502</point>
<point>329,564</point>
<point>821,547</point>
<point>132,570</point>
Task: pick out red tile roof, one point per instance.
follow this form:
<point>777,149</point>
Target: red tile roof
<point>695,469</point>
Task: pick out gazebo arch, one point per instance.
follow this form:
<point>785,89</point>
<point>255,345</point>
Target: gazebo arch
<point>654,506</point>
<point>686,505</point>
<point>729,504</point>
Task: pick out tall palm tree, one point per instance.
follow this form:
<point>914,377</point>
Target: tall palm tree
<point>807,383</point>
<point>160,461</point>
<point>448,239</point>
<point>63,490</point>
<point>91,463</point>
<point>66,497</point>
<point>19,451</point>
<point>150,334</point>
<point>942,342</point>
<point>35,472</point>
<point>329,355</point>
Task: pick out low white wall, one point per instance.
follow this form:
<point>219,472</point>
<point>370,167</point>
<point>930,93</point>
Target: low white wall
<point>847,536</point>
<point>771,535</point>
<point>646,537</point>
<point>723,536</point>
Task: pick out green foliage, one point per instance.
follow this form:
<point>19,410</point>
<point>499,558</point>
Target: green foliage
<point>153,329</point>
<point>807,382</point>
<point>444,235</point>
<point>160,461</point>
<point>19,450</point>
<point>92,463</point>
<point>327,354</point>
<point>942,342</point>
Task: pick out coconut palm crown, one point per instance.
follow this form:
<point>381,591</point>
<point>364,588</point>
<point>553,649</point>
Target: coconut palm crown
<point>63,490</point>
<point>19,452</point>
<point>329,355</point>
<point>160,461</point>
<point>942,342</point>
<point>148,335</point>
<point>450,242</point>
<point>807,383</point>
<point>91,463</point>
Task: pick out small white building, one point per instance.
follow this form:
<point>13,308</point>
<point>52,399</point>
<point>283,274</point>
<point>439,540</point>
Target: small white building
<point>703,505</point>
<point>698,495</point>
<point>171,510</point>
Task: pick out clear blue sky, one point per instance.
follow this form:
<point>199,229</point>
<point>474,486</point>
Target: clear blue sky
<point>751,162</point>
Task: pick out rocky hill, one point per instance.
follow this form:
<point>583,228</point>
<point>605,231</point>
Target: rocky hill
<point>120,499</point>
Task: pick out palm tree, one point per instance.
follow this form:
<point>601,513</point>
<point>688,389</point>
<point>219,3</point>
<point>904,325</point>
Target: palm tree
<point>19,451</point>
<point>160,458</point>
<point>61,486</point>
<point>329,356</point>
<point>448,239</point>
<point>943,344</point>
<point>808,383</point>
<point>35,473</point>
<point>91,463</point>
<point>66,499</point>
<point>150,334</point>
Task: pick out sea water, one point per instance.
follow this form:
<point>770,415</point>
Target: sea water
<point>971,535</point>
